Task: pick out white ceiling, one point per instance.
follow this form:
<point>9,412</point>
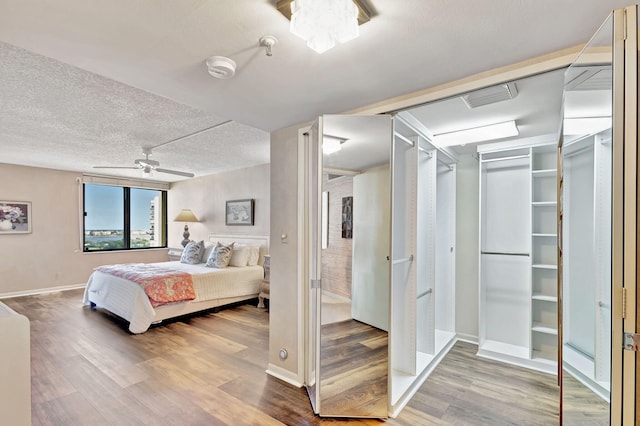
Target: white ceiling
<point>90,83</point>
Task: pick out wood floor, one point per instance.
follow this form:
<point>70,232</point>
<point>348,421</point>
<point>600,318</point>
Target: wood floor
<point>209,370</point>
<point>353,366</point>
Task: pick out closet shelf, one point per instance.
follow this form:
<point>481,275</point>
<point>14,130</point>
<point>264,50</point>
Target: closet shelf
<point>543,173</point>
<point>544,266</point>
<point>545,298</point>
<point>540,328</point>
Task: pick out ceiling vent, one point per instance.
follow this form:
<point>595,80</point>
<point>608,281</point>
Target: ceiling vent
<point>490,95</point>
<point>589,78</point>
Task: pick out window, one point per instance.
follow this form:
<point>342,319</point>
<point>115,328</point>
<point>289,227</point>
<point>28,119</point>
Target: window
<point>121,218</point>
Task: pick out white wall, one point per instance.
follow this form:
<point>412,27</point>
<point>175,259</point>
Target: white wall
<point>206,196</point>
<point>467,234</point>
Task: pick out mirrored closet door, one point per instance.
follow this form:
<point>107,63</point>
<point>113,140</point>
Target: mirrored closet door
<point>598,193</point>
<point>349,290</point>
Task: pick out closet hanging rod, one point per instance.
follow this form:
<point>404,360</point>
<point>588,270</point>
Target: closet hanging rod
<point>404,139</point>
<point>424,293</point>
<point>515,157</point>
<point>428,153</point>
<point>403,260</point>
<point>500,253</point>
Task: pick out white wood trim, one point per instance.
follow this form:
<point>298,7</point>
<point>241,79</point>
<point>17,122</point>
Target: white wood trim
<point>41,291</point>
<point>284,375</point>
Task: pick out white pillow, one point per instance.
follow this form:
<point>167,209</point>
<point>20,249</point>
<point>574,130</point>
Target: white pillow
<point>239,257</point>
<point>208,248</point>
<point>254,255</point>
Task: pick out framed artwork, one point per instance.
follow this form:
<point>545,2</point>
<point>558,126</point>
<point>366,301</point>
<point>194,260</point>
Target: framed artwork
<point>240,212</point>
<point>347,217</point>
<point>15,217</point>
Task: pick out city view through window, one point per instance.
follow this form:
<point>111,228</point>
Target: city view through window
<point>104,222</point>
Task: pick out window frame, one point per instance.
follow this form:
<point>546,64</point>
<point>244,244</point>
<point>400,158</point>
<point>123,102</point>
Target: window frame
<point>126,225</point>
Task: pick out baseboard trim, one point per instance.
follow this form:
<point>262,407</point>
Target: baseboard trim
<point>395,409</point>
<point>41,291</point>
<point>284,375</point>
<point>467,338</point>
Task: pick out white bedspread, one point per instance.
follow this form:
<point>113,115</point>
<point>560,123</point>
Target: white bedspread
<point>129,301</point>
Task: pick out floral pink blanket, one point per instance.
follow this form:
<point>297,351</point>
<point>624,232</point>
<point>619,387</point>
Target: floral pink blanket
<point>162,285</point>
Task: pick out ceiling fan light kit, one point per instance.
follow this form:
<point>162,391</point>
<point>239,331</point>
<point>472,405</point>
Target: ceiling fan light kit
<point>147,166</point>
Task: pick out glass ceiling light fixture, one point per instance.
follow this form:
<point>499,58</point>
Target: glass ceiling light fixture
<point>477,134</point>
<point>323,22</point>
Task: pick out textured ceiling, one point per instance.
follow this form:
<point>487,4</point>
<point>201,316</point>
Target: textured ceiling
<point>91,83</point>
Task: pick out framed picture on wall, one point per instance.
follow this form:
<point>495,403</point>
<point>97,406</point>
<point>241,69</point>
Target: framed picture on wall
<point>240,212</point>
<point>15,217</point>
<point>347,217</point>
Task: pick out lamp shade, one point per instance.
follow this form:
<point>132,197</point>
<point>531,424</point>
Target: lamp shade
<point>186,215</point>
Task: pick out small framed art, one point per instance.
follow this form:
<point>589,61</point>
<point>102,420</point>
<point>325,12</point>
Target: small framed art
<point>15,217</point>
<point>240,212</point>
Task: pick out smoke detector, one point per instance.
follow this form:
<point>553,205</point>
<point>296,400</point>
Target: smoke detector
<point>221,67</point>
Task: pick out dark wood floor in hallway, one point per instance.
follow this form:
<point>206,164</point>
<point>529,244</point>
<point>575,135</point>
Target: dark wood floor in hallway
<point>209,370</point>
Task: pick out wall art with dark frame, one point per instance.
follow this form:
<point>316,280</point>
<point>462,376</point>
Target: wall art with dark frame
<point>240,212</point>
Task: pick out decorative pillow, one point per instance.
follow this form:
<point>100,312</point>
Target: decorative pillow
<point>240,256</point>
<point>254,255</point>
<point>192,253</point>
<point>220,256</point>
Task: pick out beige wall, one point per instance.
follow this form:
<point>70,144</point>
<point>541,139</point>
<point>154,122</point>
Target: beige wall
<point>206,197</point>
<point>285,321</point>
<point>51,255</point>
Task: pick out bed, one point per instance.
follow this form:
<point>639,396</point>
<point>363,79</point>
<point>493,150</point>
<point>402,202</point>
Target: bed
<point>213,287</point>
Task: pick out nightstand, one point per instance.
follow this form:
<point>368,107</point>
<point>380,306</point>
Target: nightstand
<point>264,285</point>
<point>175,253</point>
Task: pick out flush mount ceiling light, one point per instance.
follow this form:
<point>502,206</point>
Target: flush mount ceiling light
<point>221,67</point>
<point>585,125</point>
<point>323,22</point>
<point>331,144</point>
<point>477,134</point>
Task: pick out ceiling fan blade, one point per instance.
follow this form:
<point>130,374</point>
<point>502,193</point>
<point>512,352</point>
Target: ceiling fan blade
<point>174,172</point>
<point>117,167</point>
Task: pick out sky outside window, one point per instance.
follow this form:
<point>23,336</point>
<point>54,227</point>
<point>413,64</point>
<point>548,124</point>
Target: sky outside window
<point>105,207</point>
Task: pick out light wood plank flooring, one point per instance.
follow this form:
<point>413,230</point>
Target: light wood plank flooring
<point>210,370</point>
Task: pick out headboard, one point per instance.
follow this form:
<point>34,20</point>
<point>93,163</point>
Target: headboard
<point>256,240</point>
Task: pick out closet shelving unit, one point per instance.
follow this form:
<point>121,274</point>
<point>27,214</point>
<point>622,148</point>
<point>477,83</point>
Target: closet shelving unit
<point>518,254</point>
<point>544,266</point>
<point>422,328</point>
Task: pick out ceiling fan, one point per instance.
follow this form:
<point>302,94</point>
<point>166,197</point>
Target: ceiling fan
<point>147,166</point>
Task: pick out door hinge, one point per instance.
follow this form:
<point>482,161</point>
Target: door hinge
<point>631,342</point>
<point>624,303</point>
<point>315,283</point>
